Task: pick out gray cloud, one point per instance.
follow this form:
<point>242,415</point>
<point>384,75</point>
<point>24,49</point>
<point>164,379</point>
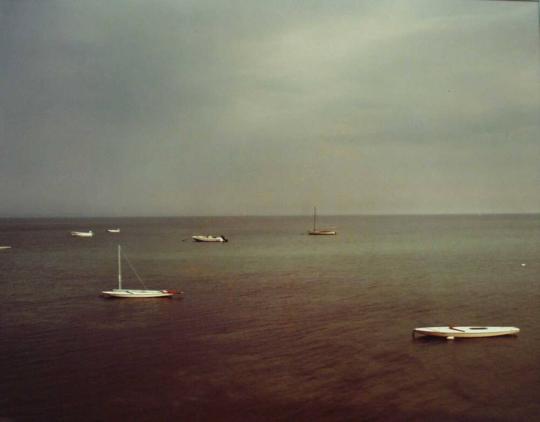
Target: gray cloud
<point>179,107</point>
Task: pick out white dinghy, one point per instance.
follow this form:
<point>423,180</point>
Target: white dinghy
<point>89,233</point>
<point>209,238</point>
<point>452,332</point>
<point>113,230</point>
<point>133,293</point>
<point>4,247</point>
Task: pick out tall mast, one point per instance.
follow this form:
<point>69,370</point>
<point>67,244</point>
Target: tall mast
<point>314,218</point>
<point>119,268</point>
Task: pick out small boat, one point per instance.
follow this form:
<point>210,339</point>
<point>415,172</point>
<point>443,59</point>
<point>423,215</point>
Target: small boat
<point>113,230</point>
<point>452,332</point>
<point>89,233</point>
<point>134,293</point>
<point>320,232</point>
<point>4,247</point>
<point>204,238</point>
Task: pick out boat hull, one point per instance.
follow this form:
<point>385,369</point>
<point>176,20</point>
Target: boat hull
<point>82,234</point>
<point>322,232</point>
<point>131,293</point>
<point>214,239</point>
<point>466,332</point>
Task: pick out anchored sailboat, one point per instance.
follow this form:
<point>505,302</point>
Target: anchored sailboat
<point>131,293</point>
<point>316,231</point>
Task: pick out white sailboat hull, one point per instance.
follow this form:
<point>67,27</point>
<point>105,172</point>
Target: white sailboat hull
<point>133,293</point>
<point>466,332</point>
<point>322,232</point>
<point>4,247</point>
<point>113,230</point>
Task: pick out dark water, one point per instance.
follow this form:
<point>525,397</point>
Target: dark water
<point>275,325</point>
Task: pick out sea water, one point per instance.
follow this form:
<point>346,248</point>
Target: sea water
<point>275,324</point>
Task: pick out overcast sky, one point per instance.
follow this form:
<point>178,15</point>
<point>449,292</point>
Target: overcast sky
<point>169,107</point>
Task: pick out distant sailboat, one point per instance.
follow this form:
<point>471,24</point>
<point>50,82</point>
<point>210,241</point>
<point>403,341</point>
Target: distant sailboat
<point>4,247</point>
<point>113,230</point>
<point>131,293</point>
<point>315,231</point>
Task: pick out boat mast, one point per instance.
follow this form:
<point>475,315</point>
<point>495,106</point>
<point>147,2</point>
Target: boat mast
<point>119,268</point>
<point>314,218</point>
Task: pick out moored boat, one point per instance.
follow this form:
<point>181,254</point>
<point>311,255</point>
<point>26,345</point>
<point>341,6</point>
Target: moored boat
<point>209,238</point>
<point>4,247</point>
<point>135,293</point>
<point>320,232</point>
<point>451,332</point>
<point>89,233</point>
<point>113,230</point>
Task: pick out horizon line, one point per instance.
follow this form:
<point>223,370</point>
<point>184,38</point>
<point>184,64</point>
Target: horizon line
<point>478,214</point>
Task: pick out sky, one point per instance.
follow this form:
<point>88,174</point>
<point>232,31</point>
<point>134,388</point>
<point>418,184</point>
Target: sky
<point>174,108</point>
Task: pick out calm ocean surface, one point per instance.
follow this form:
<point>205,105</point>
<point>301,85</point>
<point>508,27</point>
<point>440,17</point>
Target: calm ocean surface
<point>275,324</point>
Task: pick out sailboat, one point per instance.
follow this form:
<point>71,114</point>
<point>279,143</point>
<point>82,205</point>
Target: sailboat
<point>131,293</point>
<point>316,231</point>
